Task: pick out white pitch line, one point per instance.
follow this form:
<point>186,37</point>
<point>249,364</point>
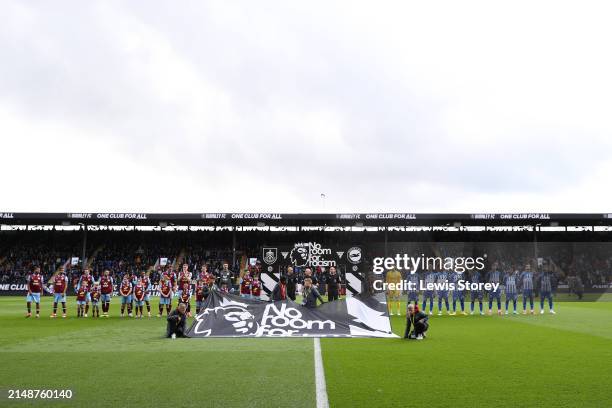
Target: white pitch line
<point>321,388</point>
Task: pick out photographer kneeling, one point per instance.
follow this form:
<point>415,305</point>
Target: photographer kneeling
<point>417,320</point>
<point>177,321</point>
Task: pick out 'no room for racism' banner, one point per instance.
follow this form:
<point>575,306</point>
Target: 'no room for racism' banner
<point>227,315</point>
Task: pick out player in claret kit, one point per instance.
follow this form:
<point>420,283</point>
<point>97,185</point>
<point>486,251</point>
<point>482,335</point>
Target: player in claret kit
<point>201,292</point>
<point>184,280</point>
<point>169,273</point>
<point>60,285</point>
<point>87,280</point>
<point>185,298</point>
<point>165,295</point>
<point>245,284</point>
<point>256,287</point>
<point>203,272</point>
<point>35,291</point>
<point>495,276</point>
<point>125,290</point>
<point>81,296</point>
<point>106,291</point>
<point>139,298</point>
<point>95,300</point>
<point>209,279</point>
<point>146,283</point>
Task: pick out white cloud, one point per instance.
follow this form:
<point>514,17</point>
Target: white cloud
<point>216,106</point>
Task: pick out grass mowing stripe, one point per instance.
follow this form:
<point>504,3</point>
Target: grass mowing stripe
<point>588,321</point>
<point>127,362</point>
<point>321,388</point>
<point>474,361</point>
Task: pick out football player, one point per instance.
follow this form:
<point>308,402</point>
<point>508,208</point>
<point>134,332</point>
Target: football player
<point>81,297</point>
<point>125,290</point>
<point>526,282</point>
<point>256,287</point>
<point>476,293</point>
<point>165,295</point>
<point>35,291</point>
<point>495,276</point>
<point>226,278</point>
<point>95,300</point>
<point>546,282</point>
<point>203,272</point>
<point>511,288</point>
<point>87,280</point>
<point>146,283</point>
<point>60,285</point>
<point>169,273</point>
<point>186,299</point>
<point>139,299</point>
<point>245,284</point>
<point>458,294</point>
<point>209,279</point>
<point>106,291</point>
<point>413,288</point>
<point>442,280</point>
<point>428,294</point>
<point>393,280</point>
<point>201,292</point>
<point>184,280</point>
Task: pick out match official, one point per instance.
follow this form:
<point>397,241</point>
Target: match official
<point>333,284</point>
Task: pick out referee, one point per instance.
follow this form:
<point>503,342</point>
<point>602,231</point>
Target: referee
<point>333,283</point>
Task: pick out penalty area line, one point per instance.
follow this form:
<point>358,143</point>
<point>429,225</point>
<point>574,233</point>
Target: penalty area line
<point>321,388</point>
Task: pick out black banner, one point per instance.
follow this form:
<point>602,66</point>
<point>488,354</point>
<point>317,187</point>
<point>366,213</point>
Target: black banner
<point>227,315</point>
<point>348,260</point>
<point>303,219</point>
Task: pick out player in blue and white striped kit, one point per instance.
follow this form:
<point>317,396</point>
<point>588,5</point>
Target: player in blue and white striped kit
<point>430,278</point>
<point>458,294</point>
<point>511,288</point>
<point>477,293</point>
<point>526,281</point>
<point>495,276</point>
<point>546,282</point>
<point>442,279</point>
<point>413,294</point>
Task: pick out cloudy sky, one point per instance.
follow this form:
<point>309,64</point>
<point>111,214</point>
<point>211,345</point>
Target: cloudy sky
<point>262,106</point>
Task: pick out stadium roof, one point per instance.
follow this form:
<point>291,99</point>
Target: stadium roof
<point>328,219</point>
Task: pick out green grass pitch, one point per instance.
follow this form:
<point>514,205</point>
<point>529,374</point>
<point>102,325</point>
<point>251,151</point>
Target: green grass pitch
<point>466,361</point>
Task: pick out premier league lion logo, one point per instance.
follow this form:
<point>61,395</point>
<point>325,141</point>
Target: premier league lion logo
<point>243,321</point>
<point>300,254</point>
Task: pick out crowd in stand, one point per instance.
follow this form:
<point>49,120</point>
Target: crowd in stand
<point>133,251</point>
